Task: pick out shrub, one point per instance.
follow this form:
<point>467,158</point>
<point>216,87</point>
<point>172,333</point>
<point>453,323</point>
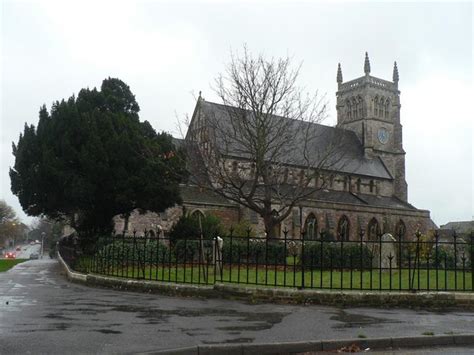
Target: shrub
<point>128,250</point>
<point>187,227</point>
<point>243,229</point>
<point>252,250</point>
<point>188,250</point>
<point>444,258</point>
<point>327,254</point>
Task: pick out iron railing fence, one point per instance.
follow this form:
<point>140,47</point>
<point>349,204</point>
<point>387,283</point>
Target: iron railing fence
<point>387,263</point>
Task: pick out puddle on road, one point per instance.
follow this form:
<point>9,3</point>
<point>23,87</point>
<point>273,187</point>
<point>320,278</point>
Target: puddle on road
<point>246,321</point>
<point>349,320</point>
<point>106,331</point>
<point>51,328</point>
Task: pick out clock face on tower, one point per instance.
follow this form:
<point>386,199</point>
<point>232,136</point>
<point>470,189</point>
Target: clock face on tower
<point>382,135</point>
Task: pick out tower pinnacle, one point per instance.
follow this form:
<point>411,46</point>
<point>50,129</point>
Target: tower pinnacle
<point>339,74</point>
<point>366,64</point>
<point>395,73</point>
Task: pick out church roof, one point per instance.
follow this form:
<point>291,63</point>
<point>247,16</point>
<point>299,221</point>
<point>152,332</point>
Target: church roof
<point>197,195</point>
<point>460,227</point>
<point>345,151</point>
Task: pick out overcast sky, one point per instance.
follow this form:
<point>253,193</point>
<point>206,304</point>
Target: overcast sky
<point>168,51</point>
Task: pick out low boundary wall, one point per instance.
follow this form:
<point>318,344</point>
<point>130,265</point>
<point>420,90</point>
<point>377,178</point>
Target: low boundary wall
<point>248,293</point>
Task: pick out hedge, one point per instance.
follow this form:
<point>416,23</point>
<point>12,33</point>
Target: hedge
<point>253,250</point>
<point>325,255</point>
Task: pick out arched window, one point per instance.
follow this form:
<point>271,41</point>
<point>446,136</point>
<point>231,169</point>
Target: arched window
<point>311,227</point>
<point>400,230</point>
<point>302,178</point>
<point>359,182</point>
<point>387,104</point>
<point>346,181</point>
<point>373,229</point>
<point>198,215</point>
<point>371,185</point>
<point>359,106</point>
<point>348,108</point>
<point>376,106</point>
<point>354,108</point>
<point>343,228</point>
<point>381,106</point>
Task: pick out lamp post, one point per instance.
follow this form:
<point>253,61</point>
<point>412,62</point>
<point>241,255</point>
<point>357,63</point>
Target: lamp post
<point>42,241</point>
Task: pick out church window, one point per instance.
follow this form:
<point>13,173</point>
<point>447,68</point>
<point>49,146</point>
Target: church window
<point>354,108</point>
<point>343,228</point>
<point>400,230</point>
<point>381,106</point>
<point>376,106</point>
<point>358,185</point>
<point>311,227</point>
<point>373,229</point>
<point>302,176</point>
<point>234,166</point>
<point>346,180</point>
<point>387,104</point>
<point>371,185</point>
<point>198,215</point>
<point>253,217</point>
<point>359,106</point>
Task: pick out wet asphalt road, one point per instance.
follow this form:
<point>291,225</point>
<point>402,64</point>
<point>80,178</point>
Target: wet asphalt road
<point>41,312</point>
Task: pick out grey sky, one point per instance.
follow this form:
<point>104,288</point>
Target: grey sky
<point>168,51</point>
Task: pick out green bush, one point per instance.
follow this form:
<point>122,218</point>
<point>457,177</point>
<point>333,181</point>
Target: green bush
<point>243,229</point>
<point>128,250</point>
<point>318,255</point>
<point>187,227</point>
<point>444,257</point>
<point>188,250</point>
<point>253,250</point>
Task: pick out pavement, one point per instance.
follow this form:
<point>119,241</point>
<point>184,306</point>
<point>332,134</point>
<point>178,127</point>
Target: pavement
<point>42,313</point>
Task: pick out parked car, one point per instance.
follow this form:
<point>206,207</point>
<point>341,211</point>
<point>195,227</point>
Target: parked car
<point>10,255</point>
<point>34,256</point>
<point>18,249</point>
<point>32,242</point>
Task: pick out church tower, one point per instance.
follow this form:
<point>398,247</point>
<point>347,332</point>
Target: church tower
<point>370,107</point>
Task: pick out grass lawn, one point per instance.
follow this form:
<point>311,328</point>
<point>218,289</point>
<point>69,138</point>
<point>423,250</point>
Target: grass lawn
<point>292,277</point>
<point>6,264</point>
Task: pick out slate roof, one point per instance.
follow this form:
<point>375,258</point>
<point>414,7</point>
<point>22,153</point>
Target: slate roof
<point>346,150</point>
<point>461,227</point>
<point>194,194</point>
<point>360,199</point>
<point>197,195</point>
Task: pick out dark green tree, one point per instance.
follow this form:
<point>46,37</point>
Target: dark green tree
<point>90,159</point>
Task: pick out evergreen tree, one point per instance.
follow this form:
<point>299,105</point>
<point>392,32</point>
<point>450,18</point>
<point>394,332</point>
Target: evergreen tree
<point>90,158</point>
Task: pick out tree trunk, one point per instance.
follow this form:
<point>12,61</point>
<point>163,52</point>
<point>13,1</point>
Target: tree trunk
<point>269,223</point>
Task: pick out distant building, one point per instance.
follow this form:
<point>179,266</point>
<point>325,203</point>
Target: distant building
<point>462,229</point>
<point>369,192</point>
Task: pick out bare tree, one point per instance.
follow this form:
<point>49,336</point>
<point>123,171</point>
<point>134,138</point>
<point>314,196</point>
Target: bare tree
<point>10,225</point>
<point>263,147</point>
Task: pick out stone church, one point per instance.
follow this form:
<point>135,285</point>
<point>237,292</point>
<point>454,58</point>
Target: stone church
<point>369,192</point>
